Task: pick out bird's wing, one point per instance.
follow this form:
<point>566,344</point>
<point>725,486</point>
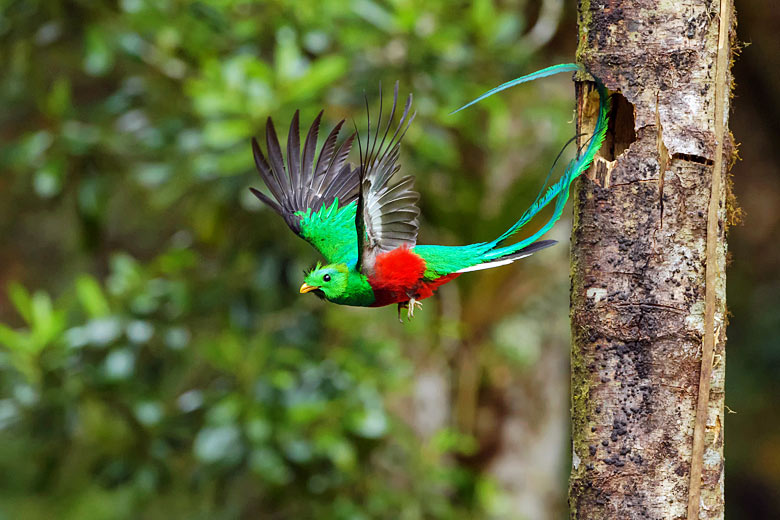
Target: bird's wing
<point>316,199</point>
<point>387,215</point>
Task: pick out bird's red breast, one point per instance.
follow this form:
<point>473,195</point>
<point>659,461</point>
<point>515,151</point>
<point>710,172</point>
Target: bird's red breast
<point>399,275</point>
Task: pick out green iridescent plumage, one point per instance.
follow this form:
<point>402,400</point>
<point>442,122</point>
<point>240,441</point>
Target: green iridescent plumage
<point>331,230</point>
<point>366,228</point>
<point>444,259</point>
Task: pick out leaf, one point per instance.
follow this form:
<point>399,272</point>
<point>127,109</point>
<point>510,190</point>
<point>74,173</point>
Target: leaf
<point>48,179</point>
<point>46,323</point>
<point>91,296</point>
<point>21,300</point>
<point>98,55</point>
<point>31,148</point>
<point>320,75</point>
<point>59,102</point>
<point>218,443</point>
<point>288,62</point>
<point>226,132</point>
<point>12,339</point>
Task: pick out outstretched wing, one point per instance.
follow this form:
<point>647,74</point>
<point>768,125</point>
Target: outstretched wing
<point>315,199</point>
<point>386,215</point>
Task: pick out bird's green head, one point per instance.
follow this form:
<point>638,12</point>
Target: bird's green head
<point>326,280</point>
<point>338,284</point>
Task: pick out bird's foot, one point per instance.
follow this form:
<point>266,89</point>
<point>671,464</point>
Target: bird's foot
<point>410,308</point>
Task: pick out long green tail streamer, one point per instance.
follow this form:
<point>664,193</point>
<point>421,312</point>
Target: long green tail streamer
<point>574,169</point>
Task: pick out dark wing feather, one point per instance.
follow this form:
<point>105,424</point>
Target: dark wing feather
<point>304,185</point>
<point>340,179</point>
<point>387,215</point>
<point>294,160</point>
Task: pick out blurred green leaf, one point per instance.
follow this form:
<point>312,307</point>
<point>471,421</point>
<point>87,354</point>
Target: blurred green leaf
<point>58,102</point>
<point>370,423</point>
<point>224,133</point>
<point>218,443</point>
<point>91,297</point>
<point>21,300</point>
<point>186,377</point>
<point>270,466</point>
<point>49,178</point>
<point>12,339</point>
<point>31,148</point>
<point>323,73</point>
<point>98,54</point>
<point>46,324</point>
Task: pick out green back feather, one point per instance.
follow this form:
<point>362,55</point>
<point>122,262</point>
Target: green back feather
<point>332,231</point>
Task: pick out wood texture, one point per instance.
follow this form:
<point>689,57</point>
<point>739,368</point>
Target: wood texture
<point>639,251</point>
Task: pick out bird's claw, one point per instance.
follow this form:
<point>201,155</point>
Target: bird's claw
<point>409,306</point>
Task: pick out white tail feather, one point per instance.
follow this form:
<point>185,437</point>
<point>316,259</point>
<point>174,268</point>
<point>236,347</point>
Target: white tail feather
<point>490,265</point>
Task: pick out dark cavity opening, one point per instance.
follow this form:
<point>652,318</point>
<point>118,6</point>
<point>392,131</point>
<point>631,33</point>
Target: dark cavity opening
<point>620,130</point>
<point>693,158</point>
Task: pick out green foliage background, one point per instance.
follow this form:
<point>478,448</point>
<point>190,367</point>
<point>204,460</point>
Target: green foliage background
<point>156,360</point>
<point>162,363</point>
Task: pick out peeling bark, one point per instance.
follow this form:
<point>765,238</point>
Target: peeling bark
<point>638,263</point>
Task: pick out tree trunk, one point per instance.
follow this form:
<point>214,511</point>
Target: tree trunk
<point>641,308</point>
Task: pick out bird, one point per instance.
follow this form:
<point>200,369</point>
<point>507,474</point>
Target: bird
<point>366,226</point>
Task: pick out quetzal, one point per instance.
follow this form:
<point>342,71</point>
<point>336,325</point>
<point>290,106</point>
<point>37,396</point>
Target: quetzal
<point>366,228</point>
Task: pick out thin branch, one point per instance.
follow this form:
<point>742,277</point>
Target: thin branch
<point>710,299</point>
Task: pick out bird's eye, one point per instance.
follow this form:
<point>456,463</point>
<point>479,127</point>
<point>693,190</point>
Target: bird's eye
<point>326,278</point>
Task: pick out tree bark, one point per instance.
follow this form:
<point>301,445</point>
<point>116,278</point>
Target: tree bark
<point>639,258</point>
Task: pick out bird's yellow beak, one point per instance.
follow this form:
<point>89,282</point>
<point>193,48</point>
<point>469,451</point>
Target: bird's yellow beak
<point>306,288</point>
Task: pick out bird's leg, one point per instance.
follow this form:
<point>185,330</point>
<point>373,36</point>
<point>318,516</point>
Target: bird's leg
<point>402,305</point>
<point>410,308</point>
